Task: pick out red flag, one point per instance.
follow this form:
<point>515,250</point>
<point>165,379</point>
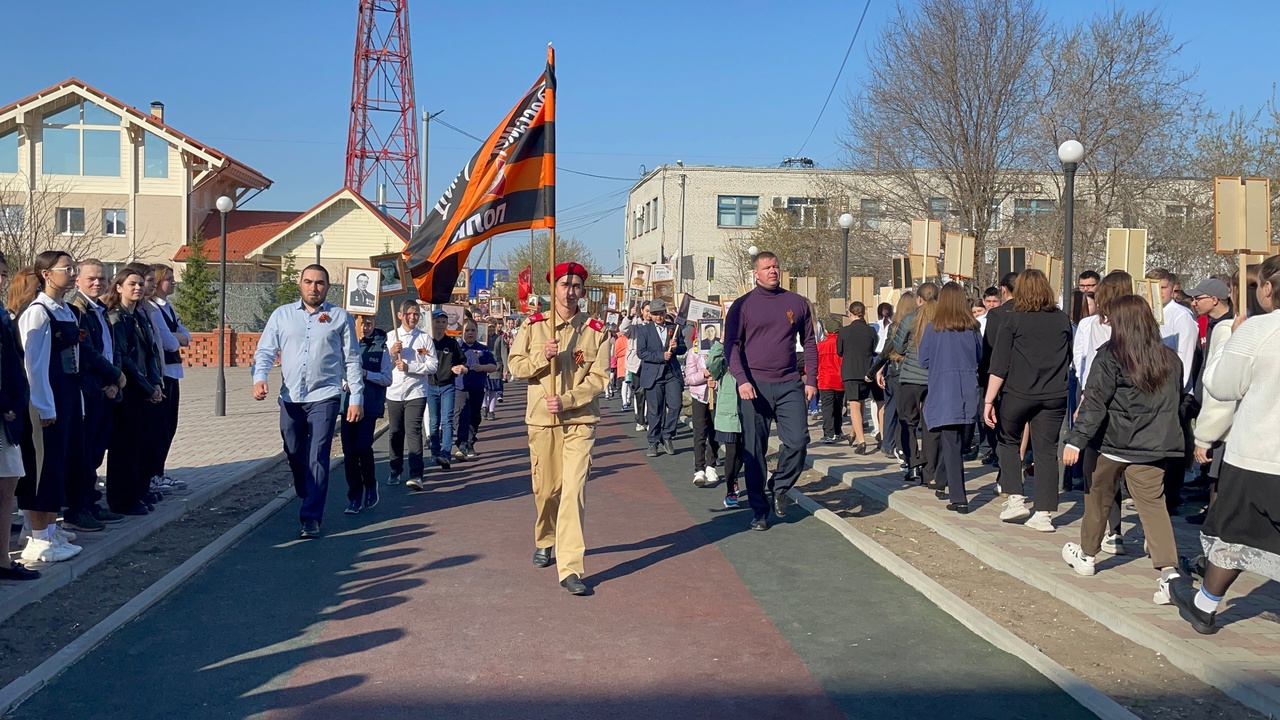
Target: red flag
<point>508,185</point>
<point>524,286</point>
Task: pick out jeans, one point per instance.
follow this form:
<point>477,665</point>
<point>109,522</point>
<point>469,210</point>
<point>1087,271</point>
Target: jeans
<point>440,419</point>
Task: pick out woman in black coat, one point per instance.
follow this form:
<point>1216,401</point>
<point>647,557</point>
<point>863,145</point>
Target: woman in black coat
<point>15,396</point>
<point>128,483</point>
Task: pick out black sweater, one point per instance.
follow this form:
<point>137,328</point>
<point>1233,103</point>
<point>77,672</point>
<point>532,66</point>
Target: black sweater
<point>1033,354</point>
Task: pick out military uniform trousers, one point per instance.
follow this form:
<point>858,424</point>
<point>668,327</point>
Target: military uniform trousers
<point>561,458</point>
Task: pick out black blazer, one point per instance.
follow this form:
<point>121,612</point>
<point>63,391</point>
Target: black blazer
<point>650,349</point>
<point>856,346</point>
<point>101,371</point>
<point>15,392</point>
<point>132,335</point>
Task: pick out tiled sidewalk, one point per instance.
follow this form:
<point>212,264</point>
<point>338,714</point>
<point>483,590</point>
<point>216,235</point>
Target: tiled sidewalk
<point>209,452</point>
<point>1242,659</point>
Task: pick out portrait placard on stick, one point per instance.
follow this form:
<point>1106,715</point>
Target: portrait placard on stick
<point>902,277</point>
<point>1149,290</point>
<point>926,238</point>
<point>923,267</point>
<point>1241,215</point>
<point>1127,250</point>
<point>862,288</point>
<point>641,274</point>
<point>957,261</point>
<point>1052,269</point>
<point>362,291</point>
<point>808,288</point>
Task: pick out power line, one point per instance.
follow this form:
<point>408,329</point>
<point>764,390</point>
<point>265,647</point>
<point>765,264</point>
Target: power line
<point>835,82</point>
<point>575,172</point>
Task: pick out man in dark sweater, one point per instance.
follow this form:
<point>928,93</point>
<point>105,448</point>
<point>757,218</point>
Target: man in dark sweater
<point>995,316</point>
<point>759,340</point>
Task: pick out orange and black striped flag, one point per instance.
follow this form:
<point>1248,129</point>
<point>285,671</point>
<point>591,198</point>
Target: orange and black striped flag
<point>510,184</point>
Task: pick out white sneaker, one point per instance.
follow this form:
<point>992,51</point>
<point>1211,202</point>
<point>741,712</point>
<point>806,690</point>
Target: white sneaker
<point>1015,509</point>
<point>641,427</point>
<point>47,551</point>
<point>1074,556</point>
<point>64,533</point>
<point>1113,544</point>
<point>1041,521</point>
<point>61,541</point>
<point>700,479</point>
<point>712,478</point>
<point>1161,596</point>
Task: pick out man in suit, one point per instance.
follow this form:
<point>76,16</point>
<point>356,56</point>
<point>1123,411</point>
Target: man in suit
<point>659,344</point>
<point>856,346</point>
<point>361,297</point>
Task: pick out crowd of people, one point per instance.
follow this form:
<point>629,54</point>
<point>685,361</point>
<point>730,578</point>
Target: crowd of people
<point>88,364</point>
<point>1131,404</point>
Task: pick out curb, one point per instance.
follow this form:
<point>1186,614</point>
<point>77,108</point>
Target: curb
<point>1231,681</point>
<point>984,627</point>
<point>24,687</point>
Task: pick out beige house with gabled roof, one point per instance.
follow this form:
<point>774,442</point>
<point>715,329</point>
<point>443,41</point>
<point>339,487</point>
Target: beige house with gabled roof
<point>85,172</point>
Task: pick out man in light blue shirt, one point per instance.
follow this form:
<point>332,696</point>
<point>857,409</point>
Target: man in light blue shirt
<point>319,351</point>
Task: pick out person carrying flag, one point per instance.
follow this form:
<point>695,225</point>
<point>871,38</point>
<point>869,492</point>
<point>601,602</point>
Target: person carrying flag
<point>564,356</point>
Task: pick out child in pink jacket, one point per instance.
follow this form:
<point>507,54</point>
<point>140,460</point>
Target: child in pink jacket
<point>700,386</point>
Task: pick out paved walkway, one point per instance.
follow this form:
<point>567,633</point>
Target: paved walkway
<point>428,606</point>
<point>208,452</point>
<point>1243,659</point>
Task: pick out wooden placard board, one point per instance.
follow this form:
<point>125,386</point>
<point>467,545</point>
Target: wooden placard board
<point>926,238</point>
<point>1241,215</point>
<point>1127,251</point>
<point>808,288</point>
<point>1010,259</point>
<point>1052,269</point>
<point>902,277</point>
<point>923,267</point>
<point>957,261</point>
<point>888,295</point>
<point>1149,290</point>
<point>785,280</point>
<point>862,289</point>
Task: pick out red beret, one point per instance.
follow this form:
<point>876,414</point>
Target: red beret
<point>569,268</point>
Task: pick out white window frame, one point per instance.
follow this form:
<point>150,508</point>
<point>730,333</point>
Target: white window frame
<point>121,217</point>
<point>67,229</point>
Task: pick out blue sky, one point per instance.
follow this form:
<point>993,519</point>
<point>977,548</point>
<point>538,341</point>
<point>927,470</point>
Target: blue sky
<point>639,85</point>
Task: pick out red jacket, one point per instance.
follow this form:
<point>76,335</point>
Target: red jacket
<point>829,365</point>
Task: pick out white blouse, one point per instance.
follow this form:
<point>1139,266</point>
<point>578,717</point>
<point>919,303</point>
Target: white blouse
<point>36,337</point>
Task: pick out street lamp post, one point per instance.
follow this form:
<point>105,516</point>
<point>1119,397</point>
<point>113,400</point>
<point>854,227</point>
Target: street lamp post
<point>318,239</point>
<point>680,262</point>
<point>1070,153</point>
<point>224,205</point>
<point>846,222</point>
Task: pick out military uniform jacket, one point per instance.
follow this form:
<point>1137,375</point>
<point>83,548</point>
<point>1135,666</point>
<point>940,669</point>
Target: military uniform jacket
<point>582,367</point>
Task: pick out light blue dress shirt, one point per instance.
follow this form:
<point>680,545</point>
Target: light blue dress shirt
<point>317,351</point>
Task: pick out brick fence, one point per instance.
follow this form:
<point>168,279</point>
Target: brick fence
<point>203,350</point>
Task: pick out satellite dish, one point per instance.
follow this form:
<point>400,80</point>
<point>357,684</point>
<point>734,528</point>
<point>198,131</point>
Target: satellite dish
<point>643,171</point>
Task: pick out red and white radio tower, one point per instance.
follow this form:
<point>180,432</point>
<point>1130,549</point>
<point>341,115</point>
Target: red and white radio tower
<point>382,144</point>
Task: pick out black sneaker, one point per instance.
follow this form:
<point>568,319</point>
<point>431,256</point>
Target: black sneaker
<point>470,453</point>
<point>652,451</point>
<point>83,521</point>
<point>353,508</point>
<point>443,462</point>
<point>1183,594</point>
<point>105,515</point>
<point>16,571</point>
<point>310,530</point>
<point>370,498</point>
<point>760,524</point>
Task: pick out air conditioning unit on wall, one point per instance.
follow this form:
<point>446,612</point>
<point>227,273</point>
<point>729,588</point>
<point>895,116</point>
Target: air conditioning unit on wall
<point>779,203</point>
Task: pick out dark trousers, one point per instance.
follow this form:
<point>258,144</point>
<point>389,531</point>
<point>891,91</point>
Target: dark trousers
<point>705,447</point>
<point>831,403</point>
<point>663,400</point>
<point>785,403</point>
<point>951,461</point>
<point>1044,419</point>
<point>638,403</point>
<point>166,420</point>
<point>357,455</point>
<point>911,412</point>
<point>891,430</point>
<point>404,422</point>
<point>1175,469</point>
<point>307,430</point>
<point>732,464</point>
<point>98,413</point>
<point>467,404</point>
<point>127,482</point>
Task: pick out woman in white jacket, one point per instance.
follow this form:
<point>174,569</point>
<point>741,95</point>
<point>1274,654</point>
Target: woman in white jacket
<point>1240,532</point>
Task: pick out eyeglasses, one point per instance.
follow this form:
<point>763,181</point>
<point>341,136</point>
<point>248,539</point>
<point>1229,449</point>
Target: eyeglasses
<point>70,269</point>
<point>1198,298</point>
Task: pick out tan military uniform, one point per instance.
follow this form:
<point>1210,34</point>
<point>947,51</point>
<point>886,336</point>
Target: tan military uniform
<point>560,445</point>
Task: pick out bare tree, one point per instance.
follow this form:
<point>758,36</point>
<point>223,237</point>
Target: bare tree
<point>947,107</point>
<point>568,249</point>
<point>29,222</point>
<point>1114,83</point>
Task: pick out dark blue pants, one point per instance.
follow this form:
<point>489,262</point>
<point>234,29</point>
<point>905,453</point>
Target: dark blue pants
<point>890,429</point>
<point>663,411</point>
<point>357,453</point>
<point>467,403</point>
<point>783,402</point>
<point>307,429</point>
